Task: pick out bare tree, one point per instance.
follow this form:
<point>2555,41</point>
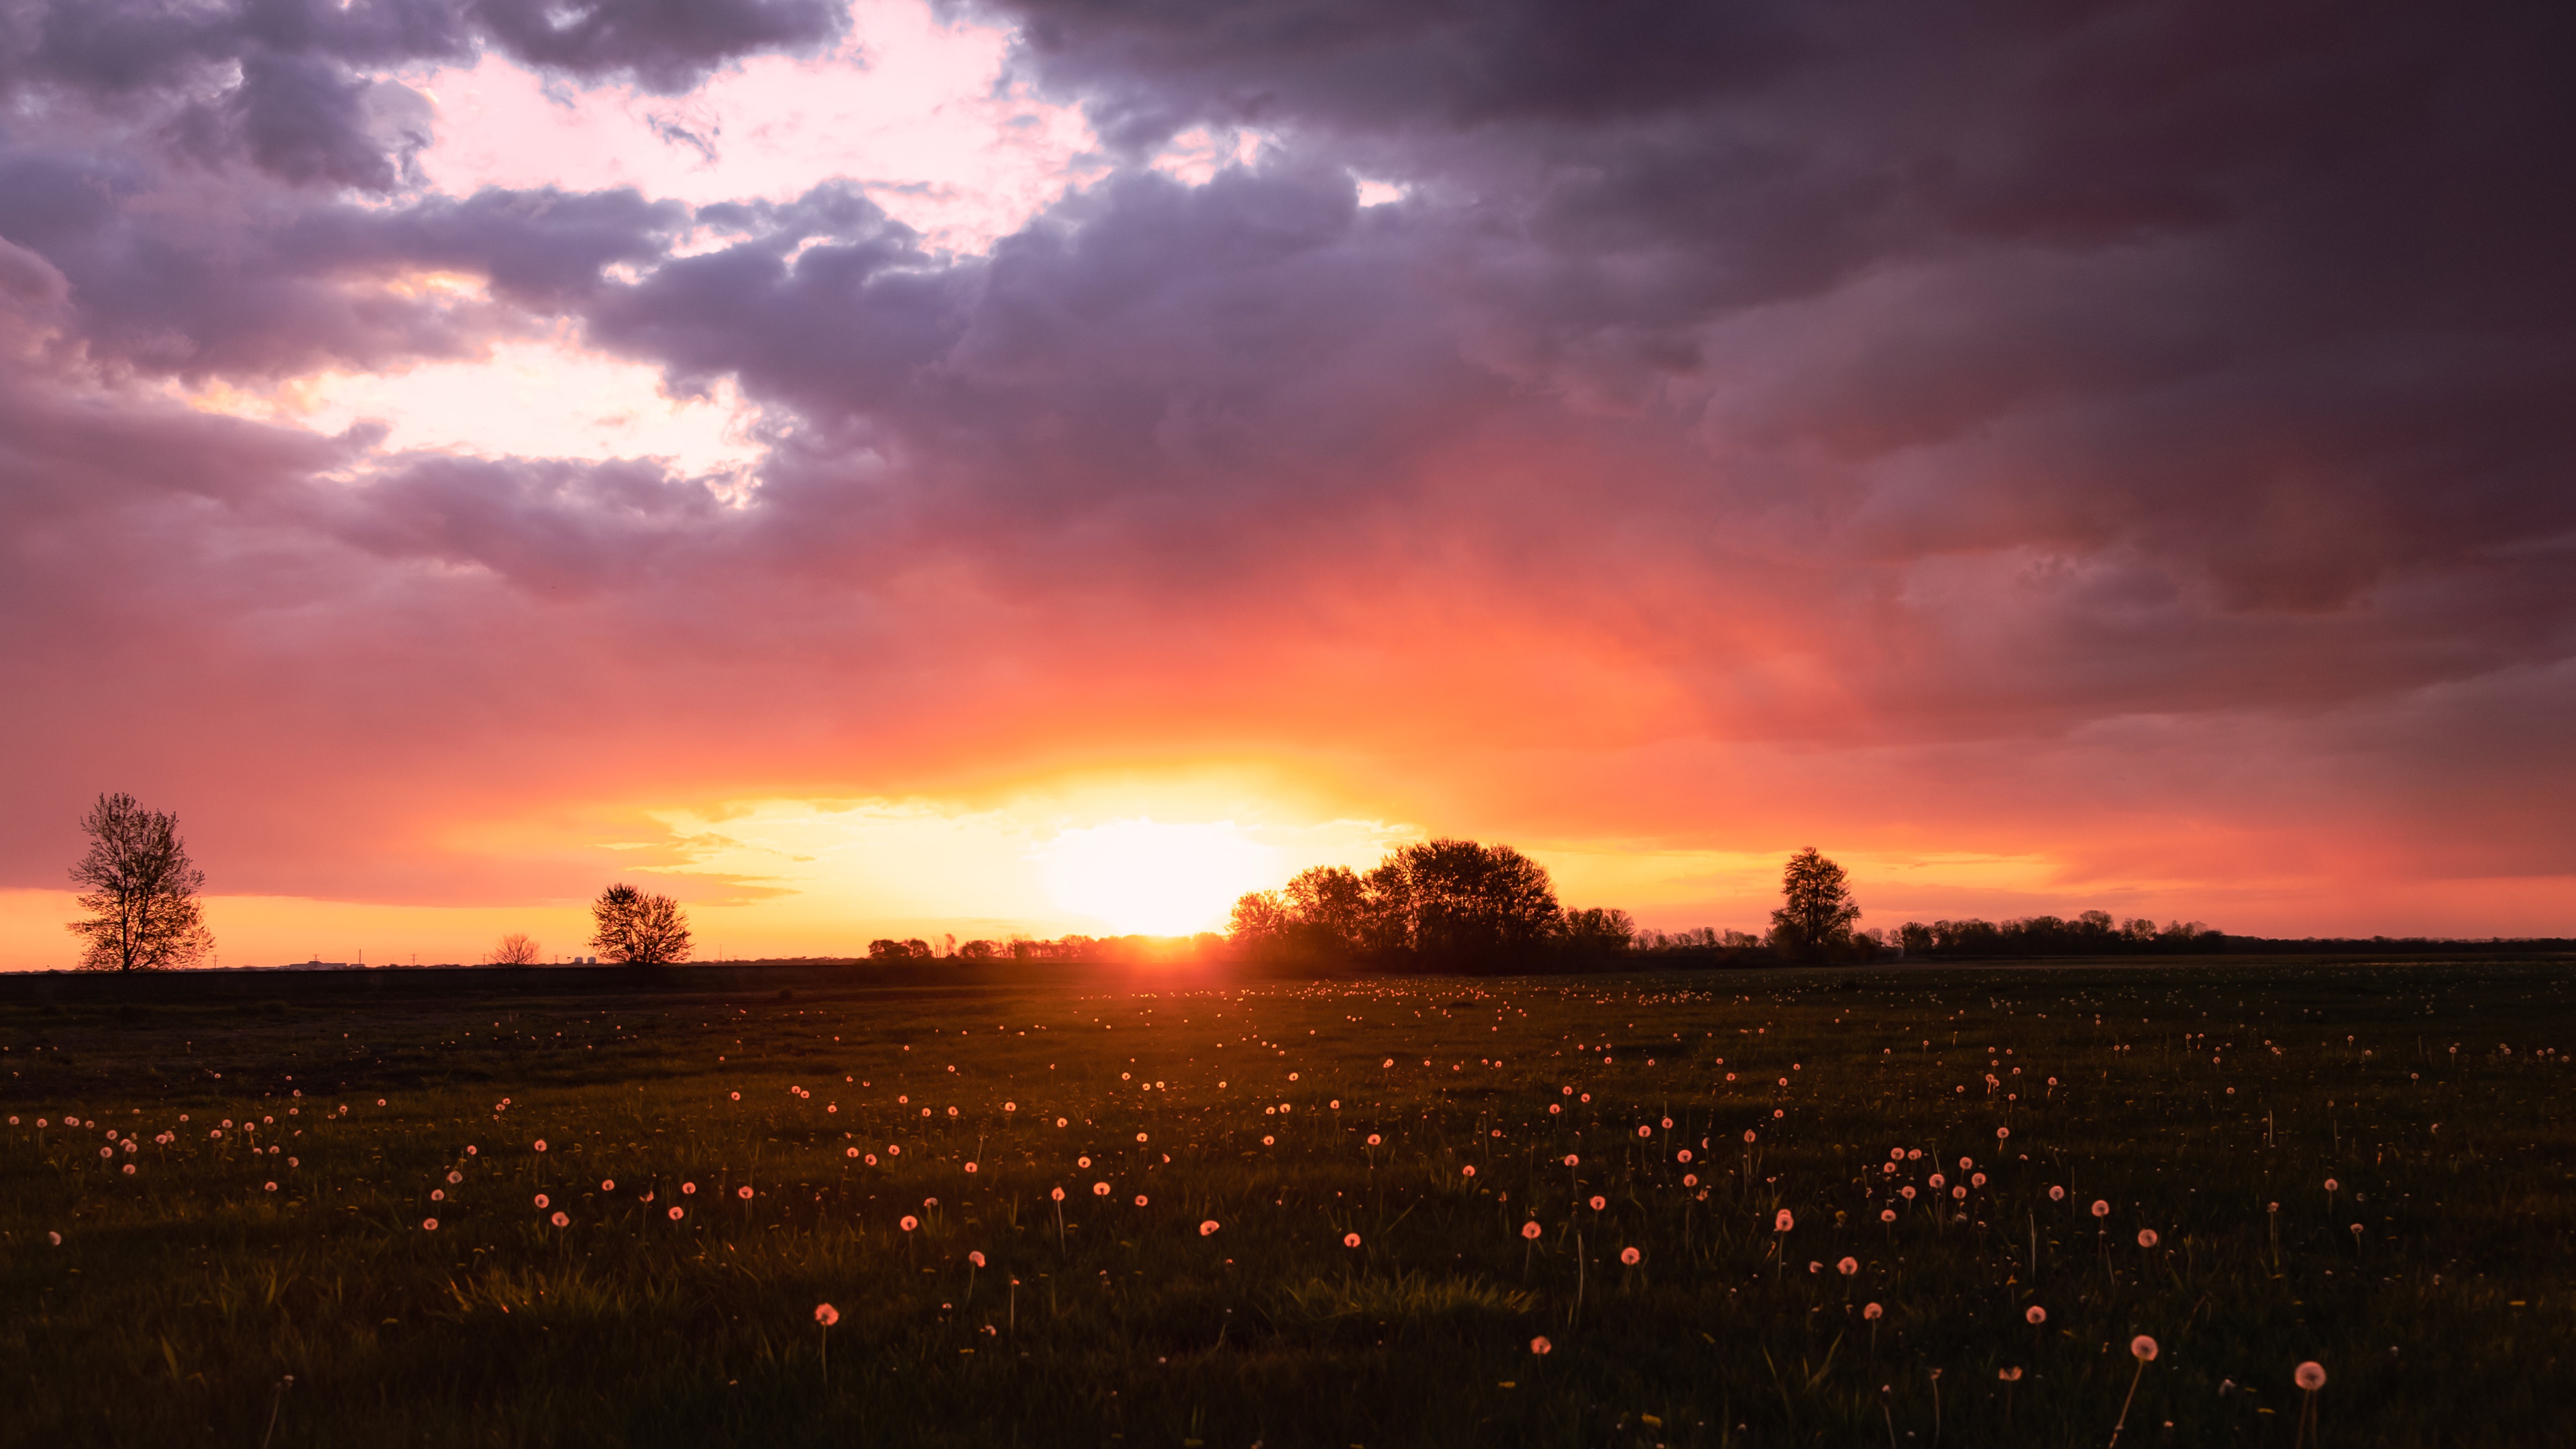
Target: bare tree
<point>1816,912</point>
<point>141,891</point>
<point>639,928</point>
<point>515,950</point>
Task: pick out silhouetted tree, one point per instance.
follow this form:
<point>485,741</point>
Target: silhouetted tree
<point>1334,910</point>
<point>915,949</point>
<point>515,950</point>
<point>1816,912</point>
<point>1260,922</point>
<point>978,951</point>
<point>1450,904</point>
<point>141,891</point>
<point>639,928</point>
<point>1596,936</point>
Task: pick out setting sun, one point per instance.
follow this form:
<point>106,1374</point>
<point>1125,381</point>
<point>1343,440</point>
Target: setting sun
<point>1144,878</point>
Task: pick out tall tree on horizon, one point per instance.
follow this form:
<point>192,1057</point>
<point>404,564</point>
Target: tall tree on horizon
<point>141,891</point>
<point>639,928</point>
<point>1816,912</point>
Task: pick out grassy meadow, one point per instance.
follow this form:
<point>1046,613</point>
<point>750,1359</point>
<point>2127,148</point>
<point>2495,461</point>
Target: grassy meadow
<point>1742,1208</point>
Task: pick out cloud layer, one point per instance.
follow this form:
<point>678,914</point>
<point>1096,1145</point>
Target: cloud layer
<point>2133,441</point>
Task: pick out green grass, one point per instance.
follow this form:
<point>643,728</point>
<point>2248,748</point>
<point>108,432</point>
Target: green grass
<point>182,1295</point>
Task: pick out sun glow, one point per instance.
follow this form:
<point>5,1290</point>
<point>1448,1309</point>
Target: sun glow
<point>1146,878</point>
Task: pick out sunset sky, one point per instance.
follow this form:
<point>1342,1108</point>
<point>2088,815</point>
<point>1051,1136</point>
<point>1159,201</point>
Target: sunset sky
<point>901,469</point>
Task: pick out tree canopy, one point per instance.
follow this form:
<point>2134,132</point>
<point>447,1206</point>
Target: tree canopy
<point>1444,905</point>
<point>639,928</point>
<point>1816,912</point>
<point>140,891</point>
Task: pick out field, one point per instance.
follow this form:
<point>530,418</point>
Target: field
<point>1332,1214</point>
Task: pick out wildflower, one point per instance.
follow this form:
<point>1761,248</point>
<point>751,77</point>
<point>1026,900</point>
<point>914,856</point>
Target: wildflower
<point>1848,1266</point>
<point>2332,1185</point>
<point>2000,1134</point>
<point>1629,1256</point>
<point>1541,1346</point>
<point>1352,1240</point>
<point>737,1096</point>
<point>1140,1136</point>
<point>1082,1162</point>
<point>1645,1131</point>
<point>2036,1316</point>
<point>826,1315</point>
<point>1269,1141</point>
<point>1748,1134</point>
<point>2009,1375</point>
<point>129,1169</point>
<point>1531,1230</point>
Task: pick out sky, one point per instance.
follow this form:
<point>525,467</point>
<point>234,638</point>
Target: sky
<point>893,469</point>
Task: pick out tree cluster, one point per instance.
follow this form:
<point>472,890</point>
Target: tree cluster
<point>2094,933</point>
<point>1442,905</point>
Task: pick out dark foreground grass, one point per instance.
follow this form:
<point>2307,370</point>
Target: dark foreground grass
<point>2208,1103</point>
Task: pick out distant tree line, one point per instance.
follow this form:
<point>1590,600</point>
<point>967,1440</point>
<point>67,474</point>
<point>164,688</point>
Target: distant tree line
<point>2093,933</point>
<point>1441,905</point>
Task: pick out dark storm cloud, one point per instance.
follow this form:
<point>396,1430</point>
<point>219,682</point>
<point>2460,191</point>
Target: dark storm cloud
<point>278,83</point>
<point>264,286</point>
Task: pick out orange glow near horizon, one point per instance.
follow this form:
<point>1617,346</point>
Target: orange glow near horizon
<point>1145,878</point>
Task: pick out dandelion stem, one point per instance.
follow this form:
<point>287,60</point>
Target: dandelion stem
<point>2124,1404</point>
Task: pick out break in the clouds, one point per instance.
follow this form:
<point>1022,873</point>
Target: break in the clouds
<point>2055,457</point>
